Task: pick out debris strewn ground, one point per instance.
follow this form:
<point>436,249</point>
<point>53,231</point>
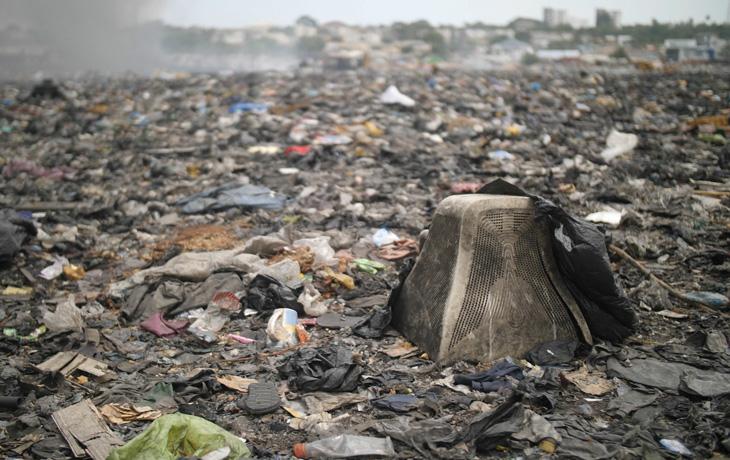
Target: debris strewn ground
<point>152,226</point>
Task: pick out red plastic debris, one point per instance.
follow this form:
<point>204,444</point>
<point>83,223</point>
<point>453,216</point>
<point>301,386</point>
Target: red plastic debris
<point>298,149</point>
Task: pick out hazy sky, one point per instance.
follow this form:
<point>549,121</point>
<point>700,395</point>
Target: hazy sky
<point>235,13</point>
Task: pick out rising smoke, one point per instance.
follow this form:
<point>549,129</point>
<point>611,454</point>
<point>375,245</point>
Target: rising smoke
<point>75,36</point>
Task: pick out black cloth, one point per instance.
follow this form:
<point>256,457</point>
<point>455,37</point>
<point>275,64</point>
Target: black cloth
<point>493,379</point>
<point>552,353</point>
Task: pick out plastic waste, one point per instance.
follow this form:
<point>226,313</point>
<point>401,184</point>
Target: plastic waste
<point>264,149</point>
<point>297,149</point>
<point>326,368</point>
<point>241,339</point>
<point>617,144</point>
<point>333,139</point>
<point>267,293</point>
<point>67,317</point>
<point>74,272</point>
<point>33,336</point>
<point>676,447</point>
<point>54,270</point>
<point>500,155</point>
<point>240,107</point>
<point>717,139</point>
<point>288,171</point>
<point>345,280</point>
<point>712,299</point>
<point>311,300</point>
<point>384,236</point>
<point>282,328</point>
<point>514,130</point>
<point>232,195</point>
<point>393,96</point>
<point>345,446</point>
<point>608,216</point>
<point>216,316</point>
<point>582,258</point>
<point>324,255</point>
<point>180,435</point>
<point>368,266</point>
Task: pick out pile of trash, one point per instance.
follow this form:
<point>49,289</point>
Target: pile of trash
<point>200,266</point>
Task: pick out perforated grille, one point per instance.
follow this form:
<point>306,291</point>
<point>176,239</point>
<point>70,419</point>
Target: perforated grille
<point>432,285</point>
<point>533,271</point>
<point>508,267</point>
<point>493,259</point>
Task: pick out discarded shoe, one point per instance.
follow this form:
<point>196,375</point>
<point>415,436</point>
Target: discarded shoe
<point>262,399</point>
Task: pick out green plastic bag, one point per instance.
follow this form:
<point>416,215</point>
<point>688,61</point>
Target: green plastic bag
<point>179,435</point>
<point>368,266</point>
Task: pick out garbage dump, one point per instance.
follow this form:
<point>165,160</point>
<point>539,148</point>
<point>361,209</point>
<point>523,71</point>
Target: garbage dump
<point>454,264</point>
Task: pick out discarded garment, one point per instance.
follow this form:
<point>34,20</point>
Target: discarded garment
<point>552,353</point>
<point>397,403</point>
<point>493,379</point>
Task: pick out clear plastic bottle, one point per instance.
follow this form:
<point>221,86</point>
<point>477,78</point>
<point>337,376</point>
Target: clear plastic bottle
<point>344,446</point>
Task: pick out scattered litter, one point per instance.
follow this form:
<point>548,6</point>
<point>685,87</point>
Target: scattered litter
<point>180,435</point>
<point>617,144</point>
<point>393,96</point>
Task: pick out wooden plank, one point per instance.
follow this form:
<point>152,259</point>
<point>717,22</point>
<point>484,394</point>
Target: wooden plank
<point>57,362</point>
<point>85,431</point>
<point>66,362</point>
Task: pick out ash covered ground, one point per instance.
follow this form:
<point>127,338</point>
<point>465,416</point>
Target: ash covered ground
<point>99,182</point>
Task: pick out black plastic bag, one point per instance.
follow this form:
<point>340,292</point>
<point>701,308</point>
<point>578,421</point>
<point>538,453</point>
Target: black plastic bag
<point>321,369</point>
<point>580,251</point>
<point>266,294</point>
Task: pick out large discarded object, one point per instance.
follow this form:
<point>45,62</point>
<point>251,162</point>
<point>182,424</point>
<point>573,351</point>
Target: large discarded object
<point>486,284</point>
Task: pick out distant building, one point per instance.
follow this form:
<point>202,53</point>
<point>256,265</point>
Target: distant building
<point>620,40</point>
<point>544,38</point>
<point>688,49</point>
<point>511,49</point>
<point>553,17</point>
<point>524,24</point>
<point>344,59</point>
<point>608,19</point>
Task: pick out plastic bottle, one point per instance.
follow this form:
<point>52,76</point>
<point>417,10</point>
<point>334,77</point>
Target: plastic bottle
<point>344,446</point>
<point>282,328</point>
